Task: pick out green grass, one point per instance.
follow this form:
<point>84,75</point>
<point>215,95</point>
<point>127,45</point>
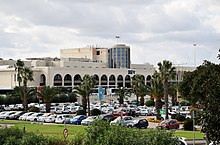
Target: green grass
<point>46,129</point>
<point>189,134</point>
<point>57,129</point>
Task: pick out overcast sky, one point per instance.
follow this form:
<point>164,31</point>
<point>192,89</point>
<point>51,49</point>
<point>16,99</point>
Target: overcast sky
<point>155,30</point>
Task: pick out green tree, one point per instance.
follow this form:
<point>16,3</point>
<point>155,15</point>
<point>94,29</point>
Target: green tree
<point>139,88</point>
<point>48,93</point>
<point>204,91</point>
<point>19,66</point>
<point>26,75</point>
<point>85,89</point>
<point>167,72</point>
<point>156,91</point>
<point>122,92</point>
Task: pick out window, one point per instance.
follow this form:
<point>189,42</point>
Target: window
<point>97,52</point>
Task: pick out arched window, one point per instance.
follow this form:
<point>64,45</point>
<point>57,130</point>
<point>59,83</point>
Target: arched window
<point>148,80</point>
<point>67,80</point>
<point>57,80</point>
<point>104,80</point>
<point>42,80</point>
<point>112,81</point>
<point>120,81</point>
<point>127,81</point>
<point>77,80</point>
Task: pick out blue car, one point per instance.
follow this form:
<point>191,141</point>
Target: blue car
<point>77,119</point>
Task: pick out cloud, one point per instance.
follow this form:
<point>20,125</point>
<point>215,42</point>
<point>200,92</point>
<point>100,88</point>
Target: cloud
<point>155,30</point>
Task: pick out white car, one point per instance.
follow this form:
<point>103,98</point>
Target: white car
<point>61,118</point>
<point>34,117</point>
<point>25,115</point>
<point>88,120</point>
<point>43,117</point>
<point>122,120</point>
<point>6,115</point>
<point>51,118</point>
<point>144,112</point>
<point>16,115</point>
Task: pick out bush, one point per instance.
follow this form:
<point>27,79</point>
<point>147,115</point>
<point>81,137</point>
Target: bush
<point>180,117</point>
<point>188,124</point>
<point>100,132</point>
<point>80,112</point>
<point>10,135</point>
<point>34,109</point>
<point>34,139</point>
<point>150,103</point>
<point>95,112</point>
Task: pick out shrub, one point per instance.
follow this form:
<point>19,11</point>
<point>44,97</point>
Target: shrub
<point>34,139</point>
<point>180,117</point>
<point>188,124</point>
<point>100,132</point>
<point>34,109</point>
<point>95,112</point>
<point>80,112</point>
<point>10,134</point>
<point>150,103</point>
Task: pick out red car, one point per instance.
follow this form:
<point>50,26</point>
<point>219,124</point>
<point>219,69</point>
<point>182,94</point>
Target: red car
<point>169,124</point>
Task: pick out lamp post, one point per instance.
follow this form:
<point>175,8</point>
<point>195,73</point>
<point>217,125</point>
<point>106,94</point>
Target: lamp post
<point>117,37</point>
<point>193,111</point>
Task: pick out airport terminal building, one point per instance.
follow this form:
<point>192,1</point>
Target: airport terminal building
<point>110,66</point>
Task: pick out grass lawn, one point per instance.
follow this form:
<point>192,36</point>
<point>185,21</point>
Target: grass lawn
<point>189,134</point>
<point>57,129</point>
<point>46,129</point>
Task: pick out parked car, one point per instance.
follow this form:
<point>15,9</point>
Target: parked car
<point>144,112</point>
<point>122,120</point>
<point>34,117</point>
<point>51,118</point>
<point>6,115</point>
<point>88,120</point>
<point>169,124</point>
<point>25,115</point>
<point>77,119</point>
<point>61,118</point>
<point>107,117</point>
<point>43,117</point>
<point>16,115</point>
<point>140,123</point>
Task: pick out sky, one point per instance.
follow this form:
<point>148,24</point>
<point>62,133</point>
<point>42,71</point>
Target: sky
<point>155,30</point>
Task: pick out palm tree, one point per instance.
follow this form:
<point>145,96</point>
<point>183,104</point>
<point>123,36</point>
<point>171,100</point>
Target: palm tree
<point>156,91</point>
<point>26,75</point>
<point>138,86</point>
<point>19,67</point>
<point>167,72</point>
<point>85,89</point>
<point>48,93</point>
<point>122,92</point>
<point>79,90</point>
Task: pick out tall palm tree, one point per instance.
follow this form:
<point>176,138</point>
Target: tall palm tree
<point>122,92</point>
<point>19,67</point>
<point>156,91</point>
<point>79,90</point>
<point>48,93</point>
<point>138,86</point>
<point>87,84</point>
<point>26,75</point>
<point>167,72</point>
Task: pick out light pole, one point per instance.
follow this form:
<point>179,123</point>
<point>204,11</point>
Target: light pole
<point>193,111</point>
<point>117,38</point>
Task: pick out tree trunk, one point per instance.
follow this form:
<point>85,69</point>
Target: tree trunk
<point>137,99</point>
<point>88,105</point>
<point>25,96</point>
<point>84,104</point>
<point>158,106</point>
<point>121,100</point>
<point>142,101</point>
<point>48,107</point>
<point>166,99</point>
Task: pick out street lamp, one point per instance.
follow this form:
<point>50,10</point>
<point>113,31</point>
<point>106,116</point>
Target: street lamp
<point>194,54</point>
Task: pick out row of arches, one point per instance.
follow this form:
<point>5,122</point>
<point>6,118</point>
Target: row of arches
<point>111,82</point>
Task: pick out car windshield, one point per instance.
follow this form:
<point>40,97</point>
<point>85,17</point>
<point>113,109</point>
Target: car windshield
<point>163,122</point>
<point>76,117</point>
<point>91,117</point>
